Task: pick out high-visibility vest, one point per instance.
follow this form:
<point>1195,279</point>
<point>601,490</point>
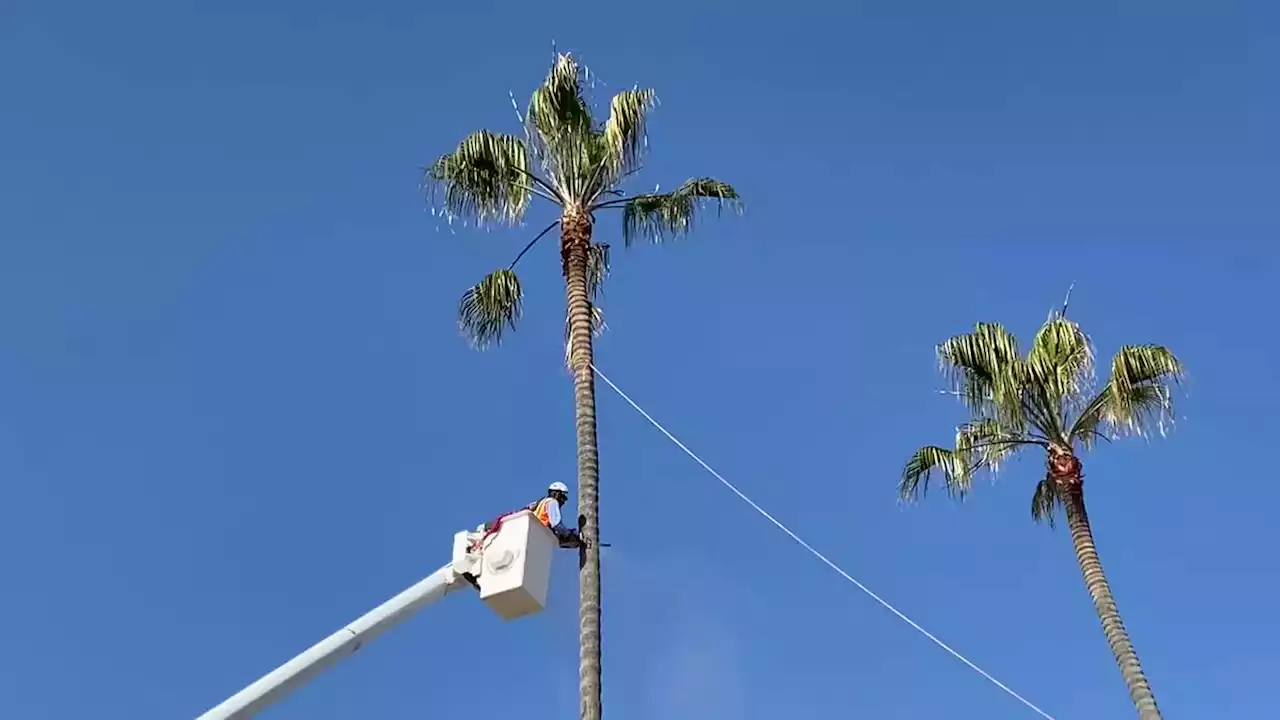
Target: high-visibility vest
<point>539,508</point>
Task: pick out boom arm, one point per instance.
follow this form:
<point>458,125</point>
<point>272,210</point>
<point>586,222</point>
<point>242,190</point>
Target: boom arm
<point>324,654</point>
<point>511,569</point>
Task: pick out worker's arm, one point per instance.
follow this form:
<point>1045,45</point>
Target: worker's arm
<point>553,517</point>
<point>568,537</point>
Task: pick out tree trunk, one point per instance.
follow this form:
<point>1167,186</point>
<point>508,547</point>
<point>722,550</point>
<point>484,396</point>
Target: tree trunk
<point>1104,603</point>
<point>575,241</point>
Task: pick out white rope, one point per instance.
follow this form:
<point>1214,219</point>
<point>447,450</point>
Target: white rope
<point>815,553</point>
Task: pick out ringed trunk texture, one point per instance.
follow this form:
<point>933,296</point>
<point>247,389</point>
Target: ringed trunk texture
<point>575,241</point>
<point>1104,603</point>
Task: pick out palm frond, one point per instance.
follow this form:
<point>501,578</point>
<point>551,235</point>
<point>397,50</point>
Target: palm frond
<point>624,131</point>
<point>919,470</point>
<point>1088,426</point>
<point>1061,359</point>
<point>982,444</point>
<point>986,372</point>
<point>529,246</point>
<point>1059,375</point>
<point>597,269</point>
<point>490,307</point>
<point>1046,501</point>
<point>985,444</point>
<point>1138,397</point>
<point>561,120</point>
<point>669,215</point>
<point>485,178</point>
<point>559,105</point>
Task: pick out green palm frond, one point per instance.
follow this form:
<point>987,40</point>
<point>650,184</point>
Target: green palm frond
<point>485,178</point>
<point>1061,360</point>
<point>1058,375</point>
<point>1137,398</point>
<point>559,107</point>
<point>980,445</point>
<point>986,372</point>
<point>1046,501</point>
<point>1088,426</point>
<point>490,307</point>
<point>668,215</point>
<point>624,131</point>
<point>562,130</point>
<point>984,444</point>
<point>597,269</point>
<point>956,475</point>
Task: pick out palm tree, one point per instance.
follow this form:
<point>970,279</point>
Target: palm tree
<point>1049,400</point>
<point>566,158</point>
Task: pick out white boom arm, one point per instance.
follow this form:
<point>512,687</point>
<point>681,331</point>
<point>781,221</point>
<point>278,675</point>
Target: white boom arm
<point>324,654</point>
<point>511,569</point>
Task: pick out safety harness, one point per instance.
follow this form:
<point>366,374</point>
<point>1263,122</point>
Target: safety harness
<point>496,525</point>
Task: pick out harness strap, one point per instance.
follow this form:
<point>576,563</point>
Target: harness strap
<point>496,525</point>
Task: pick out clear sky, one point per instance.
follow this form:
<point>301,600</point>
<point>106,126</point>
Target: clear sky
<point>235,412</point>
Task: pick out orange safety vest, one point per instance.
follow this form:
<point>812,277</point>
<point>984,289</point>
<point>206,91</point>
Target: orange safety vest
<point>540,511</point>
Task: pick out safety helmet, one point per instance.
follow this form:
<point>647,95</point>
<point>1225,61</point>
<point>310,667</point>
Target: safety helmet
<point>558,487</point>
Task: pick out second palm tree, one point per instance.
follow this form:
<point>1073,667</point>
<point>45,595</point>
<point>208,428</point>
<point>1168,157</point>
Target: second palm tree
<point>1046,400</point>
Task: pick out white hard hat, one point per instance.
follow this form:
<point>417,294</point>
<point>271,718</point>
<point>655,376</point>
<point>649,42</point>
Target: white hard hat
<point>558,487</point>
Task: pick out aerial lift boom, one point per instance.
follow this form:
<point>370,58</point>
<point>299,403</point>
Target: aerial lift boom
<point>511,569</point>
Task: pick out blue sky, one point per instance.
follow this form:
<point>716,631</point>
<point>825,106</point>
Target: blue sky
<point>235,412</point>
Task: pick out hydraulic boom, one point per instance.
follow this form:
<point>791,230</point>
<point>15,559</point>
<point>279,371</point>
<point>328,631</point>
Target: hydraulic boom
<point>511,569</point>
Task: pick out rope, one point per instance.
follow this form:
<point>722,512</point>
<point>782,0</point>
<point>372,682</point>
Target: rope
<point>817,554</point>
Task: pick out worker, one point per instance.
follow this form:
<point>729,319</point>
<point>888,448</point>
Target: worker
<point>547,510</point>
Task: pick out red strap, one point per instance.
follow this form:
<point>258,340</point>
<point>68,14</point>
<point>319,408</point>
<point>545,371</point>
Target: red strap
<point>497,525</point>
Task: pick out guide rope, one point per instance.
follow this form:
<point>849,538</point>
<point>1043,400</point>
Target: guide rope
<point>902,616</point>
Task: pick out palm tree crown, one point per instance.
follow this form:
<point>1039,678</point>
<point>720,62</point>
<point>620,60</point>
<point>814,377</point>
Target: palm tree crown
<point>1047,398</point>
<point>566,158</point>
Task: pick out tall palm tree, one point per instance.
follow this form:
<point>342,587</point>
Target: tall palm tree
<point>564,157</point>
<point>1048,399</point>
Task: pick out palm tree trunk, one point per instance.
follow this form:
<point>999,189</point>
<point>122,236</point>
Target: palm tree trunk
<point>575,242</point>
<point>1105,604</point>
